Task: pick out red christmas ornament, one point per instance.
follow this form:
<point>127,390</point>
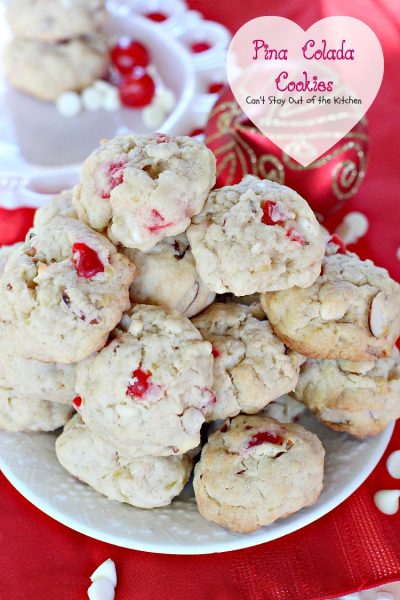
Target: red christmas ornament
<point>241,149</point>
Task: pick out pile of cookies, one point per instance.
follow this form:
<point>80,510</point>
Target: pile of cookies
<point>161,312</point>
<point>59,46</point>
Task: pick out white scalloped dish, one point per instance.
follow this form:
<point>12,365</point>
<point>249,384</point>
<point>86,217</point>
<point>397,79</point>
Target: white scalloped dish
<point>29,462</point>
<point>35,138</point>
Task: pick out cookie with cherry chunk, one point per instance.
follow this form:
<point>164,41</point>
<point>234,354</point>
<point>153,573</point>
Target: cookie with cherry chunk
<point>256,236</point>
<point>63,291</point>
<point>360,398</point>
<point>252,367</point>
<point>144,188</point>
<point>167,276</point>
<point>149,390</point>
<point>255,470</point>
<point>351,312</point>
<point>146,481</point>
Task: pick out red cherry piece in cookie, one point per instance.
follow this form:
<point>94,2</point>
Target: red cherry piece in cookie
<point>272,214</point>
<point>140,383</point>
<point>215,87</point>
<point>265,437</point>
<point>86,260</point>
<point>157,17</point>
<point>215,352</point>
<point>295,236</point>
<point>337,241</point>
<point>76,402</point>
<point>114,172</point>
<point>137,90</point>
<point>198,47</point>
<point>158,222</point>
<point>127,54</point>
<point>162,138</point>
<point>211,397</point>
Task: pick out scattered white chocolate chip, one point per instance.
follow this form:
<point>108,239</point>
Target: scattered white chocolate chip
<point>91,99</point>
<point>103,86</point>
<point>353,227</point>
<point>387,501</point>
<point>393,464</point>
<point>106,571</point>
<point>111,100</point>
<point>335,299</point>
<point>165,100</point>
<point>69,104</point>
<point>378,318</point>
<point>101,589</point>
<point>153,116</point>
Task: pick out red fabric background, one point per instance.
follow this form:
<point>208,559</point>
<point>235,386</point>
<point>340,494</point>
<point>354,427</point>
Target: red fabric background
<point>352,548</point>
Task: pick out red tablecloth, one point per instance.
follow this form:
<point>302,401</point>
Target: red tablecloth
<point>352,548</point>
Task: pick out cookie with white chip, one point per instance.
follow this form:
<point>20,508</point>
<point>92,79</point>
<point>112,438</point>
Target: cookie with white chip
<point>34,67</point>
<point>360,398</point>
<point>59,205</point>
<point>146,482</point>
<point>25,413</point>
<point>148,391</point>
<point>352,311</point>
<point>63,291</point>
<point>252,366</point>
<point>255,471</point>
<point>167,277</point>
<point>144,188</point>
<point>54,20</point>
<point>256,236</point>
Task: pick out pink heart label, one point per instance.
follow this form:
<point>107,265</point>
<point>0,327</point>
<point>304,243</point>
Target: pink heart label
<point>305,89</point>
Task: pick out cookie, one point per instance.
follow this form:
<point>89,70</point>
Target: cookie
<point>60,205</point>
<point>252,366</point>
<point>144,188</point>
<point>25,377</point>
<point>256,236</point>
<point>63,291</point>
<point>167,277</point>
<point>146,482</point>
<point>5,252</point>
<point>285,409</point>
<point>255,471</point>
<point>148,391</point>
<point>360,398</point>
<point>48,70</point>
<point>352,311</point>
<point>19,413</point>
<point>54,20</point>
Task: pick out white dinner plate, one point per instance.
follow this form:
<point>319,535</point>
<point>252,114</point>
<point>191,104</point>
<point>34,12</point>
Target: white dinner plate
<point>29,462</point>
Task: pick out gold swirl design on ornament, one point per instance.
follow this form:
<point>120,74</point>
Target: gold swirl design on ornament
<point>277,174</point>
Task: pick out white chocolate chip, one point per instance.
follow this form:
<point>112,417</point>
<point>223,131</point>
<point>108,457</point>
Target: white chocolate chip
<point>101,589</point>
<point>91,99</point>
<point>103,86</point>
<point>153,116</point>
<point>165,100</point>
<point>387,501</point>
<point>111,100</point>
<point>393,464</point>
<point>106,571</point>
<point>378,318</point>
<point>69,104</point>
<point>354,226</point>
